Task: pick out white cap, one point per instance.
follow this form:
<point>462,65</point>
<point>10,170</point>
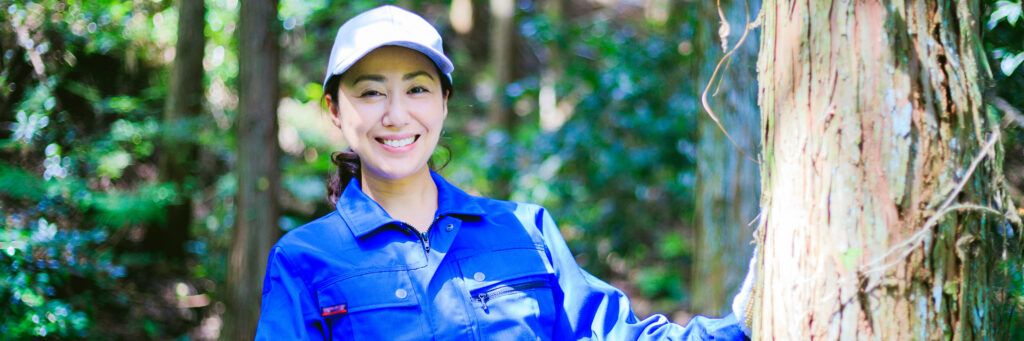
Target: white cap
<point>381,26</point>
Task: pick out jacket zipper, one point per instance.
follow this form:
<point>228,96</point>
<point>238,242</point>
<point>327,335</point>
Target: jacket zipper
<point>424,238</point>
<point>502,290</point>
<point>424,241</point>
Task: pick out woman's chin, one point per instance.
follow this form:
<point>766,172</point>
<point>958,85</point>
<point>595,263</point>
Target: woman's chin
<point>396,172</point>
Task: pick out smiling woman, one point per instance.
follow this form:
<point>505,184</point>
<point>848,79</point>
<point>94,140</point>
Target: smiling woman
<point>437,85</point>
<point>407,255</point>
<point>390,107</point>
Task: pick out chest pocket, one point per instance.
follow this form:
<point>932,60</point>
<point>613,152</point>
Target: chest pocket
<point>511,292</point>
<point>372,306</point>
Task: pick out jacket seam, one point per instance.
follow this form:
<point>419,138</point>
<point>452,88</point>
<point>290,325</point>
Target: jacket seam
<point>362,272</point>
<point>480,252</point>
<point>305,285</point>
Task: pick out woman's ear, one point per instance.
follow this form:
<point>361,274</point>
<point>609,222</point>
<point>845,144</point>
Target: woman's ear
<point>444,106</point>
<point>333,109</point>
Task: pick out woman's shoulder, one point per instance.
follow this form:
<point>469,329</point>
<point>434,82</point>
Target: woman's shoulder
<point>329,229</point>
<point>519,208</point>
<point>319,249</point>
<point>527,214</point>
<point>465,201</point>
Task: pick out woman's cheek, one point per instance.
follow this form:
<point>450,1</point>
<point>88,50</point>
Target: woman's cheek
<point>352,131</point>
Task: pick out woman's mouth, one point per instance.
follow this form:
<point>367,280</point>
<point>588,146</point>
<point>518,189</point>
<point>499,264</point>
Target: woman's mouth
<point>398,143</point>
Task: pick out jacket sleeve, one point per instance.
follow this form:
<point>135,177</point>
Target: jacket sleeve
<point>288,310</point>
<point>596,310</point>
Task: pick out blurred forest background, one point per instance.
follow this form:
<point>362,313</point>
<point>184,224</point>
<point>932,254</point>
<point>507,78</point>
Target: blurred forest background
<point>121,164</point>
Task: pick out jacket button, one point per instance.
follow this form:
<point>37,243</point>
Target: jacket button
<point>479,276</point>
<point>450,227</point>
<point>401,293</point>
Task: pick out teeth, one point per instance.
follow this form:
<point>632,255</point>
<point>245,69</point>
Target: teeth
<point>399,143</point>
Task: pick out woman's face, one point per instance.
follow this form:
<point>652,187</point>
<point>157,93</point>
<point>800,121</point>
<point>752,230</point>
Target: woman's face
<point>390,109</point>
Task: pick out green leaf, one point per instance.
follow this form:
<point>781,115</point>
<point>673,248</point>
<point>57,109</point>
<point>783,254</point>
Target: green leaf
<point>122,104</point>
<point>850,257</point>
<point>672,246</point>
<point>113,164</point>
<point>1008,10</point>
<point>951,288</point>
<point>313,91</point>
<point>31,299</point>
<point>1010,63</point>
<point>146,204</point>
<point>19,183</point>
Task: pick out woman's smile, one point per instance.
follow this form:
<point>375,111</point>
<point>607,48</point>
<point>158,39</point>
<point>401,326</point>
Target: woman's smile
<point>398,143</point>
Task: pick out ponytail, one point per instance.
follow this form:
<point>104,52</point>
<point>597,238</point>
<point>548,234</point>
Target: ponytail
<point>348,168</point>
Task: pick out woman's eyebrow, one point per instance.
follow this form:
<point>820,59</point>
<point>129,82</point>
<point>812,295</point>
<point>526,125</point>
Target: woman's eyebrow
<point>415,74</point>
<point>379,78</point>
<point>360,78</point>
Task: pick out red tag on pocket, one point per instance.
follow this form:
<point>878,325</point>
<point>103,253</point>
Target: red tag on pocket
<point>334,310</point>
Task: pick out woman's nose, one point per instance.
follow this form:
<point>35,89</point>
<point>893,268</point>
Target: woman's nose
<point>396,114</point>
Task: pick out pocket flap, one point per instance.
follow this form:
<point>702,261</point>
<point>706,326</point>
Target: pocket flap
<point>367,291</point>
<point>493,267</point>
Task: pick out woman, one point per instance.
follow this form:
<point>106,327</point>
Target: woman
<point>408,256</point>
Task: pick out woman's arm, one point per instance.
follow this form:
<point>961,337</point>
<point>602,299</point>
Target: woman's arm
<point>288,311</point>
<point>592,308</point>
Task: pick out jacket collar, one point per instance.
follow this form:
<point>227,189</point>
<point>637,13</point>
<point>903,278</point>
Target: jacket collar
<point>363,215</point>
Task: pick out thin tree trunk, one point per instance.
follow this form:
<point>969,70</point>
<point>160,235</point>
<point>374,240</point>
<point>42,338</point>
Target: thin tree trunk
<point>872,117</point>
<point>256,210</point>
<point>551,116</point>
<point>502,26</point>
<point>727,181</point>
<point>184,103</point>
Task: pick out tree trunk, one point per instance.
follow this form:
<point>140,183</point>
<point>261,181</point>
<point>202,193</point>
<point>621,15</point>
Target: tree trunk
<point>550,116</point>
<point>502,26</point>
<point>256,210</point>
<point>727,181</point>
<point>875,222</point>
<point>178,152</point>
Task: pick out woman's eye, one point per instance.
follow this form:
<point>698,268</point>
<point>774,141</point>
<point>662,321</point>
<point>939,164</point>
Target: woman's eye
<point>370,93</point>
<point>418,89</point>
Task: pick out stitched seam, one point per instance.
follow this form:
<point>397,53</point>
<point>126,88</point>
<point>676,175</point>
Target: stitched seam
<point>305,284</point>
<point>536,247</point>
<point>361,272</point>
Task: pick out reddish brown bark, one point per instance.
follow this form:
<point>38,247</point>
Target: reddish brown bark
<point>872,116</point>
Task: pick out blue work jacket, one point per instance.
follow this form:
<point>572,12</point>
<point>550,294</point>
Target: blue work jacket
<point>485,270</point>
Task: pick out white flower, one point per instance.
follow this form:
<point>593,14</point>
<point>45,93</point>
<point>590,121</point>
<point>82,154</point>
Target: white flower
<point>27,126</point>
<point>45,231</point>
<point>54,166</point>
<point>52,149</point>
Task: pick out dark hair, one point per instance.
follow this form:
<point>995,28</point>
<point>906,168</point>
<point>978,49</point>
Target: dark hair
<point>347,160</point>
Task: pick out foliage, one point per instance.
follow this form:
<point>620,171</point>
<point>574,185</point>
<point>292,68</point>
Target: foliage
<point>82,85</point>
<point>618,171</point>
<point>1008,12</point>
<point>1005,49</point>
